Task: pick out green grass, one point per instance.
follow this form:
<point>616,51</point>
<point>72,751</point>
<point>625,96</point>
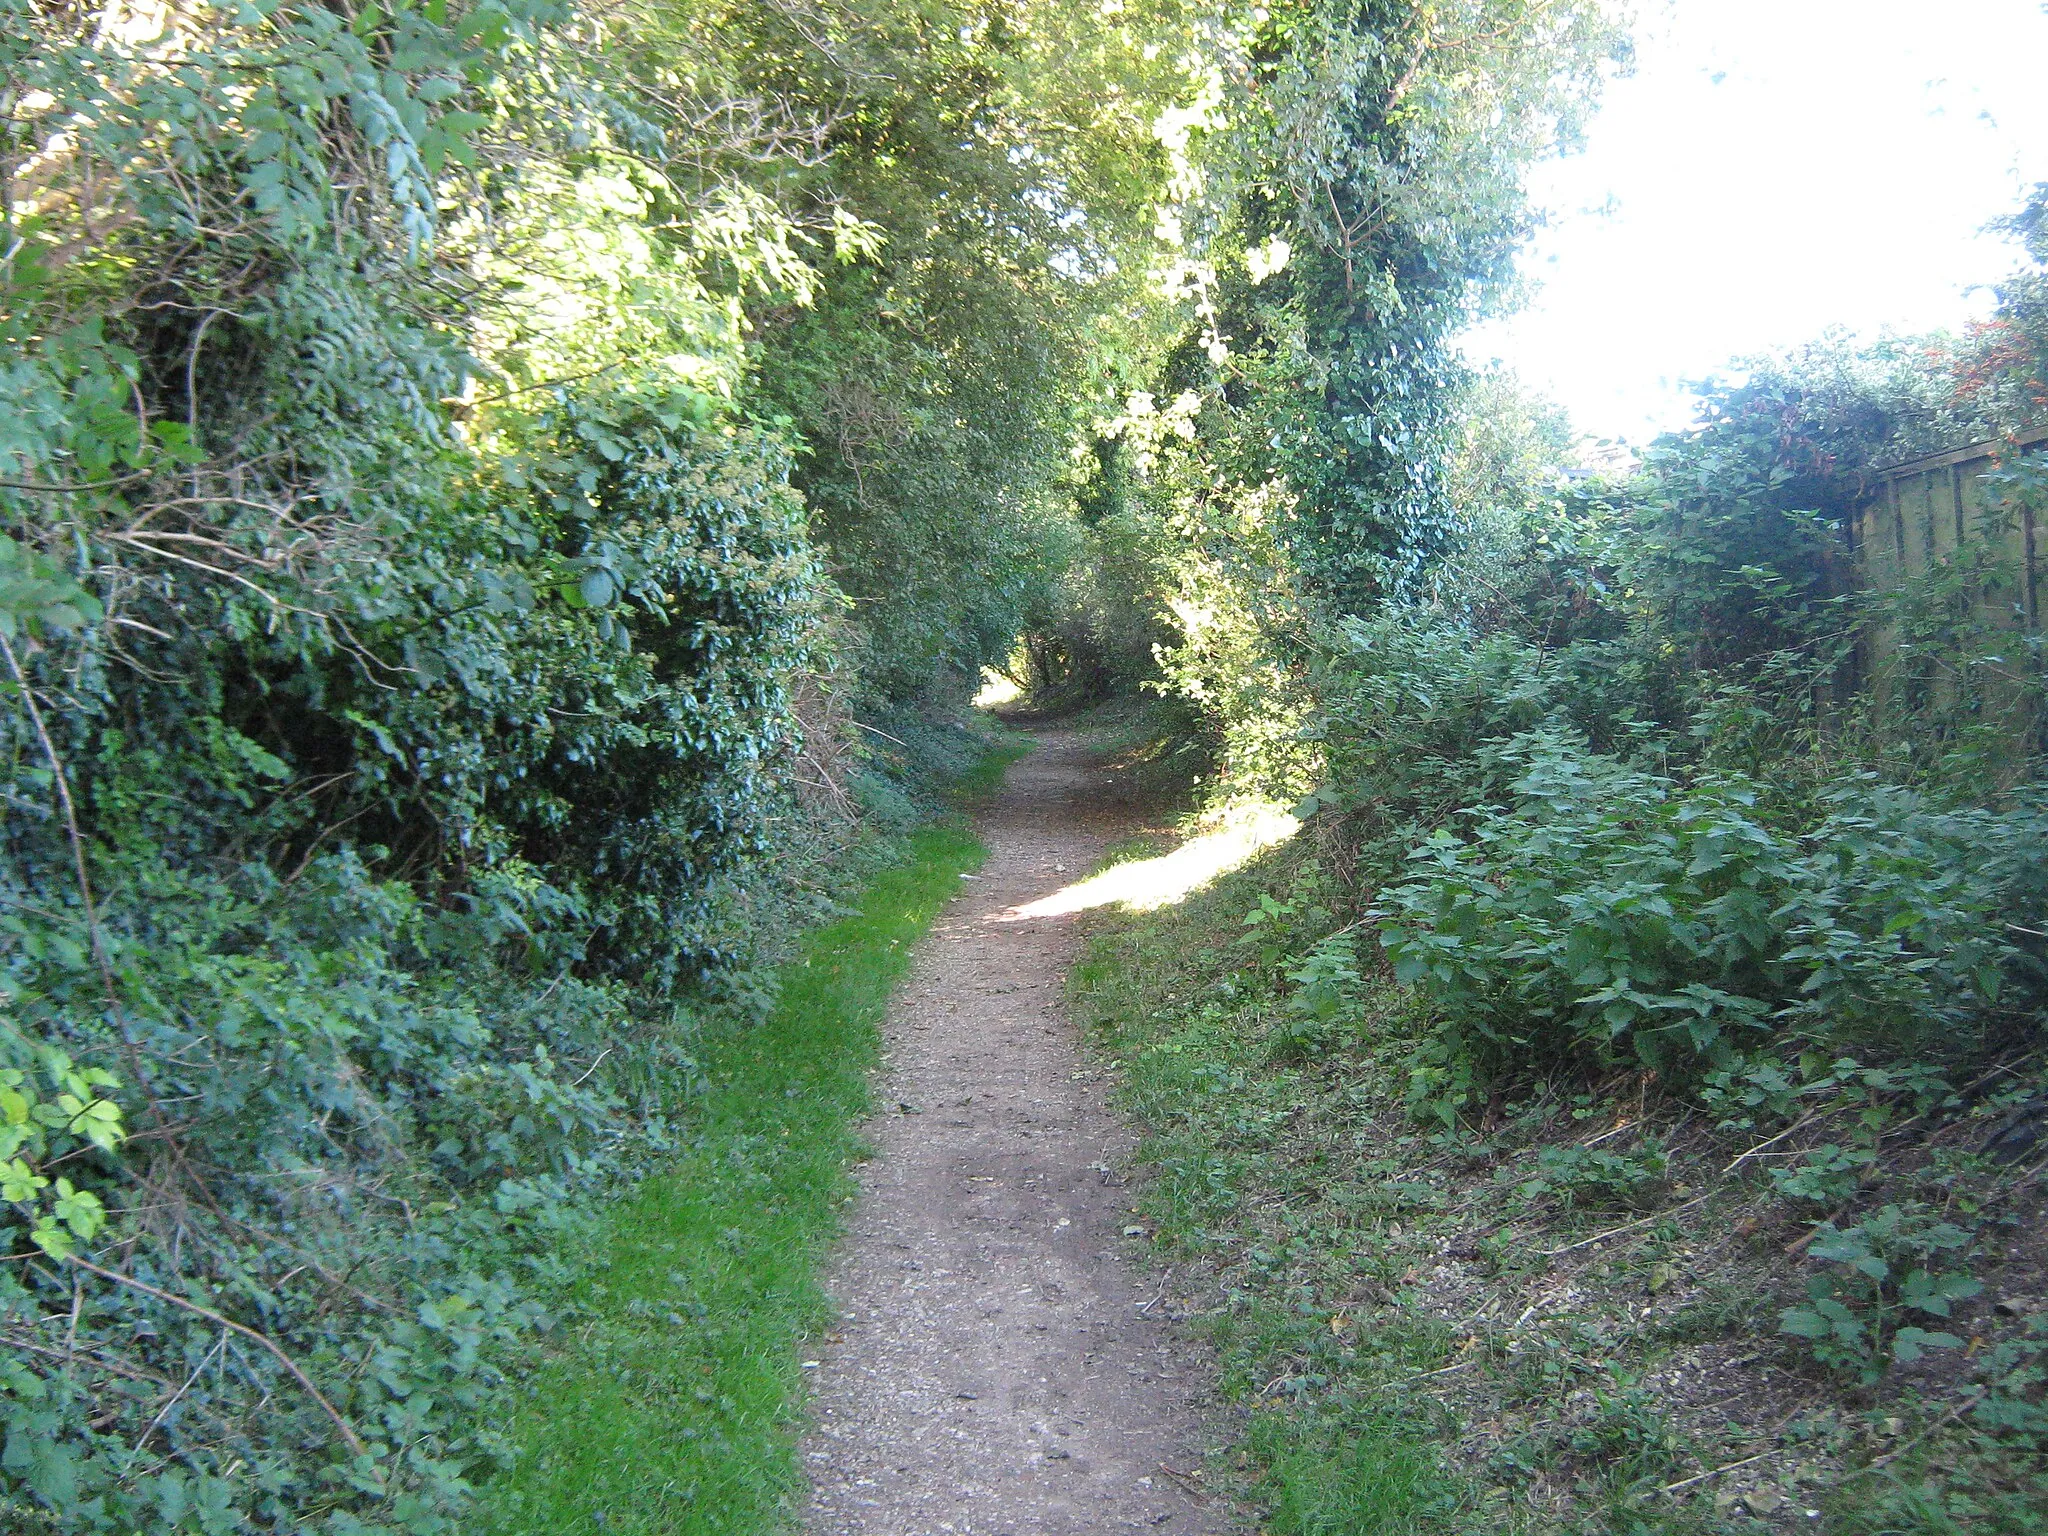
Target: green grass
<point>985,777</point>
<point>1333,1478</point>
<point>1186,1005</point>
<point>675,1406</point>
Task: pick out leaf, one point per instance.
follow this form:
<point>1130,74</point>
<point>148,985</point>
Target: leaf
<point>1840,1247</point>
<point>1806,1323</point>
<point>1909,1343</point>
<point>79,1209</point>
<point>19,1182</point>
<point>38,596</point>
<point>1936,1294</point>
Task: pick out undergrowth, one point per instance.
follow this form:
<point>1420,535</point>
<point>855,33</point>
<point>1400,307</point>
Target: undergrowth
<point>985,777</point>
<point>1586,1301</point>
<point>1624,1099</point>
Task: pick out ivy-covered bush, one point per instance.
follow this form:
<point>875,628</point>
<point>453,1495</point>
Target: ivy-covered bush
<point>422,422</point>
<point>331,908</point>
<point>399,627</point>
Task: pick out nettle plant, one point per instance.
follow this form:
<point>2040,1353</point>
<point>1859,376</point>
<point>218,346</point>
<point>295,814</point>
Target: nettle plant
<point>1612,919</point>
<point>1603,916</point>
<point>1602,1178</point>
<point>1885,1270</point>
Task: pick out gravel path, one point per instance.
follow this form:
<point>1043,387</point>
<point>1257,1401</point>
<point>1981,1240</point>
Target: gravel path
<point>998,1368</point>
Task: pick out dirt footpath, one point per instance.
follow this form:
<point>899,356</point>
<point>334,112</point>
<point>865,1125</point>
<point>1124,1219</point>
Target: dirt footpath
<point>1000,1366</point>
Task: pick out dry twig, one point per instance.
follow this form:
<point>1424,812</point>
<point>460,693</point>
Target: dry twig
<point>341,1424</point>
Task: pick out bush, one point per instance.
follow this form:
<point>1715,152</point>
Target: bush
<point>1612,918</point>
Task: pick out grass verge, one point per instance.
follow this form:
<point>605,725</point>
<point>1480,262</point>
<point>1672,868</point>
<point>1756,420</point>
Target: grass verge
<point>1005,746</point>
<point>1563,1314</point>
<point>674,1408</point>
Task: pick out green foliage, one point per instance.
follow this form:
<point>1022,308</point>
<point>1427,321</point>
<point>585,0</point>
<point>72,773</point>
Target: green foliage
<point>1827,1174</point>
<point>1886,1267</point>
<point>408,607</point>
<point>1612,914</point>
<point>1385,147</point>
<point>43,1125</point>
<point>1620,799</point>
<point>38,596</point>
<point>1345,195</point>
<point>1599,1177</point>
<point>1005,164</point>
<point>1640,785</point>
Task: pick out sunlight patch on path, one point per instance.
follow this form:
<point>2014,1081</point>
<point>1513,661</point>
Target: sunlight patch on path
<point>1142,885</point>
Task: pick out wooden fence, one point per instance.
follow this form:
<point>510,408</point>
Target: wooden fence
<point>1953,510</point>
<point>1922,512</point>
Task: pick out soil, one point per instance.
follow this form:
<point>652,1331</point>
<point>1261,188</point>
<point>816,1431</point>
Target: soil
<point>1002,1364</point>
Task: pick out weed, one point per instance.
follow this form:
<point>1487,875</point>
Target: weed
<point>1854,1316</point>
<point>1628,1437</point>
<point>1596,1177</point>
<point>1826,1174</point>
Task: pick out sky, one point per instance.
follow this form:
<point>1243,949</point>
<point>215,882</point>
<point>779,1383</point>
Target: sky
<point>1771,169</point>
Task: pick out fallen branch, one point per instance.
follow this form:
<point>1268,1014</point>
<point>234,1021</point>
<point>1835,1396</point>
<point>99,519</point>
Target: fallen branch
<point>593,1066</point>
<point>1186,1483</point>
<point>1164,1281</point>
<point>355,1442</point>
<point>1601,1237</point>
<point>884,735</point>
<point>1798,1125</point>
<point>1687,1482</point>
<point>176,1397</point>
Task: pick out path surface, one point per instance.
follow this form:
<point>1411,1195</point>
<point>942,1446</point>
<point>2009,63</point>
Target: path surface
<point>997,1369</point>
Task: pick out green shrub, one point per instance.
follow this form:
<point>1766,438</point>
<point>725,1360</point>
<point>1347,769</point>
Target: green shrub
<point>1611,917</point>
